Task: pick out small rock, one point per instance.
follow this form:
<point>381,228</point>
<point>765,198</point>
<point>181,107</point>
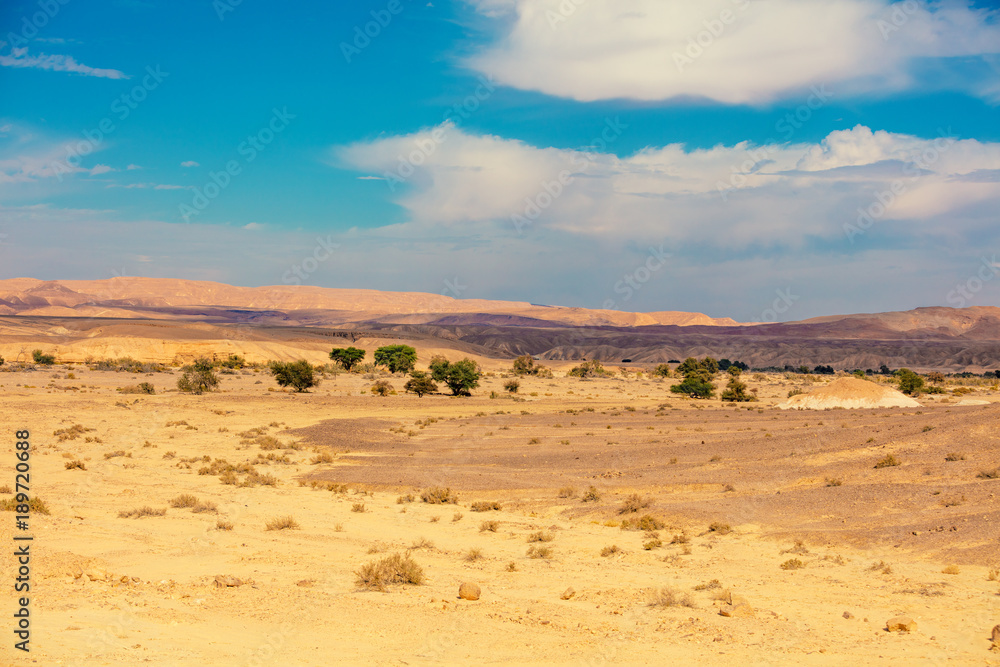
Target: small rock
<point>568,593</point>
<point>848,615</point>
<point>901,624</point>
<point>227,581</point>
<point>995,636</point>
<point>305,582</point>
<point>468,591</point>
<point>737,611</point>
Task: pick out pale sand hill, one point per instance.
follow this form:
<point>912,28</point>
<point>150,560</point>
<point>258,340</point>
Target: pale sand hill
<point>850,393</point>
<point>355,304</point>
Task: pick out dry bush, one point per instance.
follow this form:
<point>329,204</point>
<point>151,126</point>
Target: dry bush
<point>485,506</point>
<point>681,538</point>
<point>989,474</point>
<point>954,456</point>
<point>567,492</point>
<point>888,461</point>
<point>951,501</point>
<point>670,597</point>
<point>457,516</point>
<point>140,512</point>
<point>223,525</point>
<point>654,543</point>
<point>205,507</point>
<point>439,496</point>
<point>489,526</point>
<point>435,519</point>
<point>711,585</point>
<point>592,495</point>
<point>792,564</point>
<point>408,498</point>
<point>951,569</point>
<point>539,552</point>
<point>322,457</point>
<point>993,575</point>
<point>880,566</point>
<point>5,489</point>
<point>35,505</point>
<point>75,464</point>
<point>422,543</point>
<point>541,536</point>
<point>117,453</point>
<point>512,566</point>
<point>473,555</point>
<point>633,503</point>
<point>358,507</point>
<point>646,522</point>
<point>611,550</point>
<point>720,528</point>
<point>184,500</point>
<point>282,523</point>
<point>833,481</point>
<point>394,569</point>
<point>799,549</point>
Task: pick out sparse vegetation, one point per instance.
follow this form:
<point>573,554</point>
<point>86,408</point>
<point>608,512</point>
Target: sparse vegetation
<point>485,506</point>
<point>736,389</point>
<point>394,569</point>
<point>698,376</point>
<point>954,456</point>
<point>141,512</point>
<point>792,564</point>
<point>358,507</point>
<point>34,505</point>
<point>473,555</point>
<point>888,461</point>
<point>198,377</point>
<point>42,359</point>
<point>438,496</point>
<point>489,526</point>
<point>567,492</point>
<point>670,597</point>
<point>646,522</point>
<point>461,376</point>
<point>833,481</point>
<point>382,388</point>
<point>420,383</point>
<point>347,357</point>
<point>610,550</point>
<point>592,495</point>
<point>75,464</point>
<point>541,536</point>
<point>397,358</point>
<point>880,566</point>
<point>282,523</point>
<point>989,474</point>
<point>511,386</point>
<point>633,503</point>
<point>539,552</point>
<point>720,528</point>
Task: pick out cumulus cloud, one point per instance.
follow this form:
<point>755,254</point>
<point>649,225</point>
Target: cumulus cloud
<point>726,196</point>
<point>190,163</point>
<point>737,51</point>
<point>56,63</point>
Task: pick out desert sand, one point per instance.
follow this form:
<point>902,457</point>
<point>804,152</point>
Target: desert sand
<point>784,509</point>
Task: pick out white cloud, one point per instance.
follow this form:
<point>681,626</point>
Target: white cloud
<point>190,163</point>
<point>132,167</point>
<point>779,195</point>
<point>56,63</point>
<point>733,51</point>
<point>100,169</point>
<point>253,226</point>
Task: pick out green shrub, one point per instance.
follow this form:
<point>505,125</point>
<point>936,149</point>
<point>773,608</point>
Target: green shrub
<point>460,376</point>
<point>420,383</point>
<point>299,375</point>
<point>198,377</point>
<point>397,358</point>
<point>43,359</point>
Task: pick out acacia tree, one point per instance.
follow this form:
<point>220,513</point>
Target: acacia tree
<point>909,382</point>
<point>460,376</point>
<point>397,358</point>
<point>198,377</point>
<point>420,383</point>
<point>736,389</point>
<point>347,357</point>
<point>698,376</point>
<point>299,374</point>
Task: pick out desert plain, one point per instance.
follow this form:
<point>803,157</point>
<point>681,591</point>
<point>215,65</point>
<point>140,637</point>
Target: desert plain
<point>603,520</point>
<point>740,492</point>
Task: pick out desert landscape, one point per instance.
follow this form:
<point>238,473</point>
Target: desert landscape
<point>592,520</point>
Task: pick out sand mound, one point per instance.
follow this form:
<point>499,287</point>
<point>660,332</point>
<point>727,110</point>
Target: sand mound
<point>850,393</point>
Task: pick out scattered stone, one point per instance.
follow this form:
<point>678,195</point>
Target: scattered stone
<point>568,593</point>
<point>737,611</point>
<point>305,582</point>
<point>468,591</point>
<point>227,581</point>
<point>901,624</point>
<point>848,615</point>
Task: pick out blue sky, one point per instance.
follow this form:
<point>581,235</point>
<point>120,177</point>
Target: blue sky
<point>759,159</point>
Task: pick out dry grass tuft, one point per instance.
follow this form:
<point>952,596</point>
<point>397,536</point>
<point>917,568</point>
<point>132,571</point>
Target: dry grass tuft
<point>989,474</point>
<point>439,496</point>
<point>951,569</point>
<point>888,461</point>
<point>611,550</point>
<point>592,495</point>
<point>954,456</point>
<point>711,585</point>
<point>140,512</point>
<point>408,498</point>
<point>184,500</point>
<point>35,505</point>
<point>75,464</point>
<point>358,507</point>
<point>646,522</point>
<point>567,492</point>
<point>539,552</point>
<point>489,526</point>
<point>880,566</point>
<point>720,528</point>
<point>394,569</point>
<point>282,523</point>
<point>541,536</point>
<point>792,564</point>
<point>670,597</point>
<point>485,506</point>
<point>223,525</point>
<point>633,503</point>
<point>473,555</point>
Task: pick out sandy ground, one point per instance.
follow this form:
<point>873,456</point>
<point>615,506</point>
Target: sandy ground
<point>108,590</point>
